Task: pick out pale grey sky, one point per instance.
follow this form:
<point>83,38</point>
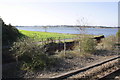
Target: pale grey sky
<point>35,12</point>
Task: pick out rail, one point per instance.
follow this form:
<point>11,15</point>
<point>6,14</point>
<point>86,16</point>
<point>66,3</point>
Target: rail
<point>75,72</point>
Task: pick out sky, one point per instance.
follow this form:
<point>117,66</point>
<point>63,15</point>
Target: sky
<point>36,12</point>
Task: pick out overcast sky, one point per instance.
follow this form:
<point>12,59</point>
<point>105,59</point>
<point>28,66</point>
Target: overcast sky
<point>34,12</point>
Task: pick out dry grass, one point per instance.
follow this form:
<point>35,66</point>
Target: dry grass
<point>109,43</point>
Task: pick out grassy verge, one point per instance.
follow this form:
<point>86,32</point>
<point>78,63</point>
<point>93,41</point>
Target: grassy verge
<point>44,35</point>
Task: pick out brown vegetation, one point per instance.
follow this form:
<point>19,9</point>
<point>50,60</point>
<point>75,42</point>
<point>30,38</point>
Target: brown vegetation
<point>52,47</point>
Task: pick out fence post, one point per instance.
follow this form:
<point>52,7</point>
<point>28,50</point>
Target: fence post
<point>59,39</point>
<point>64,46</point>
<point>79,44</point>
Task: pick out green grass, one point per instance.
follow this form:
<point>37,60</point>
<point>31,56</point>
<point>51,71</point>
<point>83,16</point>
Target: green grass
<point>44,35</point>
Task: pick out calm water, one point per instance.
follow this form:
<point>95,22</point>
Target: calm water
<point>72,30</point>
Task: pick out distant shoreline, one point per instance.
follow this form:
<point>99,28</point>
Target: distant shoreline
<point>71,26</point>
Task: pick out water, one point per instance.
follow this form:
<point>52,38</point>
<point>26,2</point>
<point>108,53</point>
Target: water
<point>73,30</point>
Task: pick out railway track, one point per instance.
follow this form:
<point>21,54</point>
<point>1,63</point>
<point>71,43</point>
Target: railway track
<point>114,75</point>
<point>98,71</point>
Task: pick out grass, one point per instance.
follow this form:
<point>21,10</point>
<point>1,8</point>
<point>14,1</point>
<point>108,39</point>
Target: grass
<point>44,35</point>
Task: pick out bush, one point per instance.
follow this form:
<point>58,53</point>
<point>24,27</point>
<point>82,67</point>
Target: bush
<point>109,42</point>
<point>87,45</point>
<point>31,55</point>
<point>9,34</point>
<point>118,34</point>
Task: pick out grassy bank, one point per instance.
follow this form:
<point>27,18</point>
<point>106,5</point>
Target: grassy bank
<point>43,35</point>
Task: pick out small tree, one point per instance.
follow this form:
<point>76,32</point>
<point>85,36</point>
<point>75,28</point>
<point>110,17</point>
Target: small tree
<point>87,45</point>
<point>81,24</point>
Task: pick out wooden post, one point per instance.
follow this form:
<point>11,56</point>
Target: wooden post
<point>59,39</point>
<point>64,46</point>
<point>54,39</point>
<point>79,45</point>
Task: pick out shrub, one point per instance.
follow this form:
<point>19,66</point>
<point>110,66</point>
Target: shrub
<point>87,45</point>
<point>9,34</point>
<point>31,55</point>
<point>118,34</point>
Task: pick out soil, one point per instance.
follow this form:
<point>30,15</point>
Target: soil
<point>72,64</point>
